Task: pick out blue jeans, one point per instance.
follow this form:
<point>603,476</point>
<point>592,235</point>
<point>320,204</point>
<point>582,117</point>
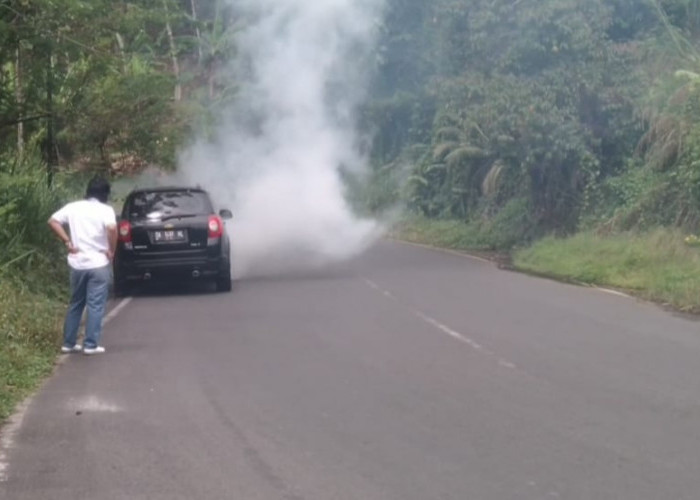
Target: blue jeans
<point>89,287</point>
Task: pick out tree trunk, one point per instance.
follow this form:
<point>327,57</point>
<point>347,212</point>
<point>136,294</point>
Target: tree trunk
<point>51,158</point>
<point>120,45</point>
<point>19,99</point>
<point>173,53</point>
<point>210,80</point>
<point>193,5</point>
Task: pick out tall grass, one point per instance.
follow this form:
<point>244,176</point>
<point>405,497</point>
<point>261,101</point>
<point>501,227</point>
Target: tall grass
<point>33,276</point>
<point>500,233</point>
<point>30,325</point>
<point>657,265</point>
<point>446,233</point>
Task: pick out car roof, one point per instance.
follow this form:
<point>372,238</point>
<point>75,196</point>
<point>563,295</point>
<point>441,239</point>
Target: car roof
<point>160,189</point>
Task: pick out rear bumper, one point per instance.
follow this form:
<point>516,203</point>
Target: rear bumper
<point>168,269</point>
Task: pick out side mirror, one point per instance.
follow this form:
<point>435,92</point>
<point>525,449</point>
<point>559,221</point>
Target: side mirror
<point>225,213</point>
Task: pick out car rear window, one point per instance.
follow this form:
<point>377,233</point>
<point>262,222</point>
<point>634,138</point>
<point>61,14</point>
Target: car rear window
<point>163,203</point>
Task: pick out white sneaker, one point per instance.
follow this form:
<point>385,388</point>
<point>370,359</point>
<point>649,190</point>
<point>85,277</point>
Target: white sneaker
<point>75,348</point>
<point>94,350</point>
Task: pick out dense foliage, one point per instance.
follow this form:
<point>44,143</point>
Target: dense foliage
<point>546,113</point>
<point>97,86</point>
<point>119,83</point>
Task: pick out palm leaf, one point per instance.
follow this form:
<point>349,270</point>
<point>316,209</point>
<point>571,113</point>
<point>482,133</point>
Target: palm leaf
<point>450,134</point>
<point>434,166</point>
<point>418,179</point>
<point>464,155</point>
<point>492,180</point>
<point>443,149</point>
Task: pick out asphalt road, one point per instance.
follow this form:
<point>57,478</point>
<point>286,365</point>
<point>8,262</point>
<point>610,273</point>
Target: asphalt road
<point>408,374</point>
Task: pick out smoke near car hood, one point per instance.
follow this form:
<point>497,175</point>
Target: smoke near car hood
<point>276,161</point>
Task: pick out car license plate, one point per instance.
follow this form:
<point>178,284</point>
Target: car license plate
<point>170,236</point>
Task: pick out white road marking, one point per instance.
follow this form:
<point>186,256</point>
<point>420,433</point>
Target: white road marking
<point>507,364</point>
<point>9,431</point>
<point>613,292</point>
<point>117,309</point>
<point>449,331</point>
<point>93,404</point>
<point>444,328</point>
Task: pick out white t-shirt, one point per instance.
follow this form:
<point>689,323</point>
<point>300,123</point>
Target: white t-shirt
<point>87,221</point>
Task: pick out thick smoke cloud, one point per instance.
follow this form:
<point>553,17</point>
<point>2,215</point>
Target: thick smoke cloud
<point>302,69</point>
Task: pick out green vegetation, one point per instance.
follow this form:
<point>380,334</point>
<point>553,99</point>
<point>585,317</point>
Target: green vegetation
<point>30,324</point>
<point>110,85</point>
<point>32,279</point>
<point>658,265</point>
<point>584,111</point>
<point>497,235</point>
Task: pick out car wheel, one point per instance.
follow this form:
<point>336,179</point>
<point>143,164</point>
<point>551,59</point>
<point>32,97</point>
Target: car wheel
<point>121,289</point>
<point>223,280</point>
<point>121,286</point>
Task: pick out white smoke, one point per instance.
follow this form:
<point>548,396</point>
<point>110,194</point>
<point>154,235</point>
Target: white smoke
<point>302,68</point>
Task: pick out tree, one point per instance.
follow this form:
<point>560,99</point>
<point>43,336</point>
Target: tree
<point>534,101</point>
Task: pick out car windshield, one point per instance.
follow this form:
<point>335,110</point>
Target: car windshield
<point>158,204</point>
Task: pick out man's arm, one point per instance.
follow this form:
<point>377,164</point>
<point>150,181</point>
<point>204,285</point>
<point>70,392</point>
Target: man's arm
<point>112,239</point>
<point>58,229</point>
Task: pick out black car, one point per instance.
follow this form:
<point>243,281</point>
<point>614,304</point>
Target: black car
<point>171,234</point>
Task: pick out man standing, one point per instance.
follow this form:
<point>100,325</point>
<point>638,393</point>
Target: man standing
<point>91,245</point>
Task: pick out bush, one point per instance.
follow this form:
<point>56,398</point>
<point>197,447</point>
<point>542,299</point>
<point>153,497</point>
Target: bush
<point>27,247</point>
<point>509,227</point>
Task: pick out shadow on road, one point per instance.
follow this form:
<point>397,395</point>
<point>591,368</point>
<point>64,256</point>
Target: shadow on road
<point>206,287</point>
<point>326,274</point>
<point>172,288</point>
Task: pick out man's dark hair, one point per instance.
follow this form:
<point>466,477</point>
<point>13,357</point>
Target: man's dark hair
<point>99,188</point>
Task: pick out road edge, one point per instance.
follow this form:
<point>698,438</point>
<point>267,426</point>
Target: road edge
<point>505,265</point>
<point>11,427</point>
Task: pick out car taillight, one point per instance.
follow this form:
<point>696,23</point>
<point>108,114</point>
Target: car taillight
<point>216,226</point>
<point>125,232</point>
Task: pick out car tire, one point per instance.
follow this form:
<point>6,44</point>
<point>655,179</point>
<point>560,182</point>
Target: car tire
<point>122,289</point>
<point>223,280</point>
<point>121,286</point>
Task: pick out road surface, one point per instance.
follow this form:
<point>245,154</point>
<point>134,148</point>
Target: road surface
<point>408,374</point>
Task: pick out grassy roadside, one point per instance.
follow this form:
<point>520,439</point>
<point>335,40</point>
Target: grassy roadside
<point>451,234</point>
<point>33,276</point>
<point>30,325</point>
<point>658,265</point>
